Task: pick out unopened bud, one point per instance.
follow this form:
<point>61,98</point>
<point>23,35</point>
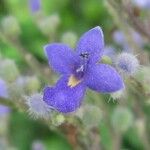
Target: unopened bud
<point>58,119</point>
<point>32,84</point>
<point>91,116</point>
<point>8,70</point>
<point>37,108</point>
<point>49,25</point>
<point>121,119</point>
<point>10,26</point>
<point>106,60</point>
<point>127,63</point>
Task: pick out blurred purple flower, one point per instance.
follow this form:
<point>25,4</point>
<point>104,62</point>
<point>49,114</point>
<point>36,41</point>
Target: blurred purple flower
<point>38,145</point>
<point>79,69</point>
<point>137,38</point>
<point>3,94</point>
<point>142,3</point>
<point>35,5</point>
<point>120,39</point>
<point>3,89</point>
<point>4,110</point>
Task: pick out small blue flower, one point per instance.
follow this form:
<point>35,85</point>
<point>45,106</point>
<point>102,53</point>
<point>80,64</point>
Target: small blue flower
<point>35,5</point>
<point>79,69</point>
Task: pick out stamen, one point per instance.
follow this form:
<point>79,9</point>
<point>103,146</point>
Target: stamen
<point>73,81</point>
<point>81,69</point>
<point>84,55</point>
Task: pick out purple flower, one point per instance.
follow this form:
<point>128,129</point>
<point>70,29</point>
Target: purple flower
<point>4,94</point>
<point>3,89</point>
<point>35,5</point>
<point>79,69</point>
<point>120,38</point>
<point>142,3</point>
<point>4,110</point>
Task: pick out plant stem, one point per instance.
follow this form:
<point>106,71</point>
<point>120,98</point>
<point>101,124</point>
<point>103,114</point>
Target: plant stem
<point>7,102</point>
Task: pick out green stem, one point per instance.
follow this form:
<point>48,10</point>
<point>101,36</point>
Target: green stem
<point>7,102</point>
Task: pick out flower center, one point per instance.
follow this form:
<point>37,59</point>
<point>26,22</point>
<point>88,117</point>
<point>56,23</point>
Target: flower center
<point>73,81</point>
<point>80,70</point>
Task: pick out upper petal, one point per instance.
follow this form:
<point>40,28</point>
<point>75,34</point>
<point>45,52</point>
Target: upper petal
<point>61,57</point>
<point>92,42</point>
<point>64,98</point>
<point>103,78</point>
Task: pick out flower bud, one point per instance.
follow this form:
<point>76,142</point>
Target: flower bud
<point>143,75</point>
<point>58,120</point>
<point>10,26</point>
<point>24,85</point>
<point>91,115</point>
<point>69,38</point>
<point>106,60</point>
<point>32,84</point>
<point>121,119</point>
<point>49,25</point>
<point>19,90</point>
<point>127,63</point>
<point>8,70</point>
<point>37,108</point>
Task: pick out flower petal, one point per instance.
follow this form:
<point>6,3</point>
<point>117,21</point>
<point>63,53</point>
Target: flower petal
<point>64,98</point>
<point>61,58</point>
<point>103,78</point>
<point>92,42</point>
